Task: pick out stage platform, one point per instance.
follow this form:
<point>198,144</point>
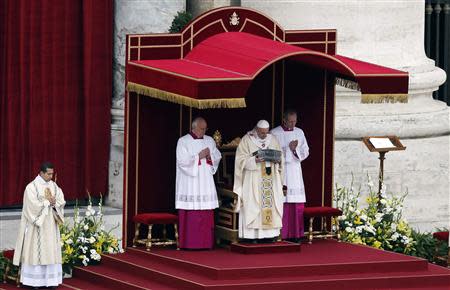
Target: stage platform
<point>325,264</point>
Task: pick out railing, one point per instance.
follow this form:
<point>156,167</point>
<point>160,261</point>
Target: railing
<point>437,39</point>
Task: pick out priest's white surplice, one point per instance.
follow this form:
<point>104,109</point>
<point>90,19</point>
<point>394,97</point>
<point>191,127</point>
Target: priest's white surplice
<point>248,185</point>
<point>195,188</point>
<point>293,177</point>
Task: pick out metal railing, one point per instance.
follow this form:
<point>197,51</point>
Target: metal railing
<point>437,39</point>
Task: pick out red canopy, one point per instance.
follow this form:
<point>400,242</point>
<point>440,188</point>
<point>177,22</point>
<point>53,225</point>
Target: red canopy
<point>217,72</point>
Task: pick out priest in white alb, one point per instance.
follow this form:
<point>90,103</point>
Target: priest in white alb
<point>295,149</point>
<point>195,191</point>
<point>258,184</point>
<point>38,246</point>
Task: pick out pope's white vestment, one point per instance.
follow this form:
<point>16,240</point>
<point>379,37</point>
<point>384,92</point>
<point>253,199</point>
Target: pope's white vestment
<point>293,177</point>
<point>195,188</point>
<point>260,202</point>
<point>38,246</point>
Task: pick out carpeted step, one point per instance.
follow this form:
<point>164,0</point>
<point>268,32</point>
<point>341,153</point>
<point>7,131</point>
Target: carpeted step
<point>126,276</point>
<point>214,265</point>
<point>111,278</point>
<point>427,277</point>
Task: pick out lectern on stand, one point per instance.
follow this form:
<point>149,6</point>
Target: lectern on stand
<point>382,145</point>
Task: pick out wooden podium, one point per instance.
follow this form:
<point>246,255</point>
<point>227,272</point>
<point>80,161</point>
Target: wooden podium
<point>382,145</point>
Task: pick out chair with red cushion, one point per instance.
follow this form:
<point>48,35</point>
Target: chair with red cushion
<point>323,212</point>
<point>441,237</point>
<point>11,273</point>
<point>151,219</point>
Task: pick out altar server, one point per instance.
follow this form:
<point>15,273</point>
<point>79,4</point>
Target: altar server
<point>195,192</point>
<point>38,246</point>
<point>258,184</point>
<point>295,149</point>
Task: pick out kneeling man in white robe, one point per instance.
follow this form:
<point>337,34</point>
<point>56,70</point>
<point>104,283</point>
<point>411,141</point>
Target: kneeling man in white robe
<point>258,184</point>
<point>195,191</point>
<point>38,246</point>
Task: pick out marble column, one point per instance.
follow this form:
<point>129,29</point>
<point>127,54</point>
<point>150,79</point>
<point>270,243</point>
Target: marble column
<point>137,16</point>
<point>389,33</point>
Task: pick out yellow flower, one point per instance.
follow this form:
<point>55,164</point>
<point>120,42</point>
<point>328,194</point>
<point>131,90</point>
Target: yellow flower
<point>357,221</point>
<point>377,244</point>
<point>69,250</point>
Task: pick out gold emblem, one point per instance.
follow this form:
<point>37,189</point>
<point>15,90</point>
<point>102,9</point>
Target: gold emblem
<point>234,19</point>
<point>47,193</point>
<point>267,216</point>
<point>217,138</point>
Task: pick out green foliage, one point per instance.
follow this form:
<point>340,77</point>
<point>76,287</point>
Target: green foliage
<point>3,263</point>
<point>426,245</point>
<point>179,21</point>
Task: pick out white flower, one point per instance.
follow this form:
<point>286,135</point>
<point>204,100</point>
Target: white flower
<point>121,251</point>
<point>382,201</point>
<point>370,183</point>
<point>359,229</point>
<point>351,208</point>
<point>110,250</point>
<point>393,227</point>
<point>69,241</point>
<point>378,217</point>
<point>358,212</point>
<point>348,229</point>
<point>363,217</point>
<point>86,227</point>
<point>395,236</point>
<point>342,217</point>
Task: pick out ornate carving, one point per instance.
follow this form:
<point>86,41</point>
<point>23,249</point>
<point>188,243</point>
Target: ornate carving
<point>217,138</point>
<point>232,144</point>
<point>234,19</point>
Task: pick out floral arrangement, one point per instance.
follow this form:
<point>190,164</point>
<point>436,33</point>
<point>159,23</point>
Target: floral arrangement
<point>380,224</point>
<point>84,241</point>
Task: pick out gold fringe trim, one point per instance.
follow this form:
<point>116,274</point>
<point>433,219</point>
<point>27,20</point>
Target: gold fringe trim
<point>184,100</point>
<point>383,98</point>
<point>347,84</point>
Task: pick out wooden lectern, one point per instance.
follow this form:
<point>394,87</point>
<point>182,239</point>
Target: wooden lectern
<point>382,145</point>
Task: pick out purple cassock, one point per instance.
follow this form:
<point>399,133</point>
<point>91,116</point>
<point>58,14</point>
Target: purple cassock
<point>196,229</point>
<point>293,225</point>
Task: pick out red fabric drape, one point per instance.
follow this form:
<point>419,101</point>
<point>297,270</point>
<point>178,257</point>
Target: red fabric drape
<point>55,94</point>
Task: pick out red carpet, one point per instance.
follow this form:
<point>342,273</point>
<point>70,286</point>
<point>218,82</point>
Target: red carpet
<point>322,265</point>
<point>277,247</point>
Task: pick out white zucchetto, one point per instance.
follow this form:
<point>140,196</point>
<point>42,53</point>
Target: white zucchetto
<point>263,124</point>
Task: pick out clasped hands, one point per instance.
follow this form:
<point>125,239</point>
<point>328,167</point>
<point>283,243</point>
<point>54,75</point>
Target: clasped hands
<point>52,200</point>
<point>293,145</point>
<point>205,153</point>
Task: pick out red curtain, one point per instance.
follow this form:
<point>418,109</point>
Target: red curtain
<point>55,94</point>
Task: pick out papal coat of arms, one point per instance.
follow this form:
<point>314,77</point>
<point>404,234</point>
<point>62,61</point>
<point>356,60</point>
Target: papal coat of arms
<point>234,19</point>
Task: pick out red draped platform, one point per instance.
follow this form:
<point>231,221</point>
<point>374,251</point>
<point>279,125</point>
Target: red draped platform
<point>234,66</point>
<point>321,266</point>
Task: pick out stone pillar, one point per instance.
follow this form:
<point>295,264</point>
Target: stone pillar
<point>139,16</point>
<point>389,33</point>
<point>197,7</point>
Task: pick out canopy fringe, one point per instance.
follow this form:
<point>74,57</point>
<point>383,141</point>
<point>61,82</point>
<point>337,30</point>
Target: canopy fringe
<point>383,98</point>
<point>347,84</point>
<point>184,100</point>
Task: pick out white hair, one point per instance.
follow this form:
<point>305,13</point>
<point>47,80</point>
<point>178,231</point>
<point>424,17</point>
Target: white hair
<point>196,120</point>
